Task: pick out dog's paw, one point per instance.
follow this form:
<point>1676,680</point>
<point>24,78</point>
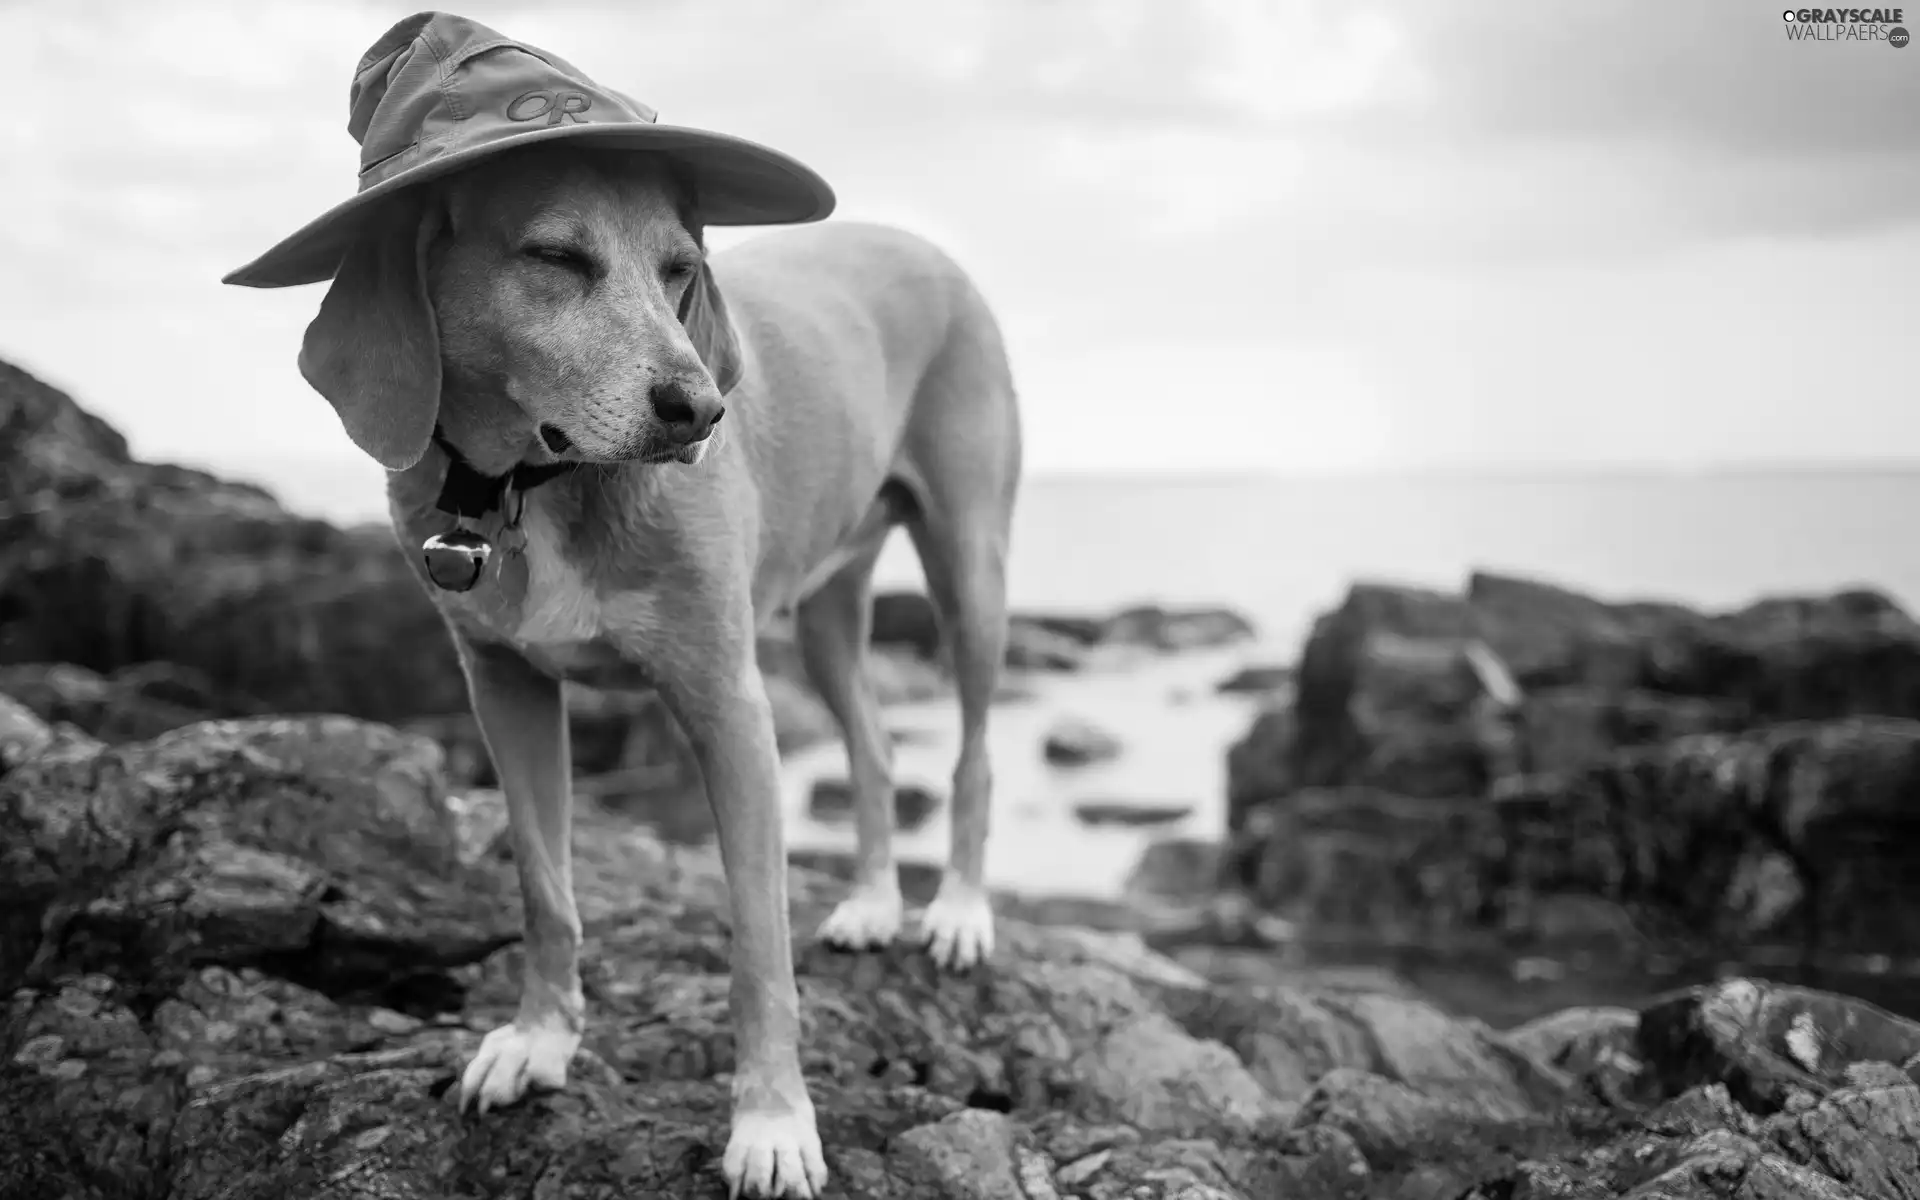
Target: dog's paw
<point>957,927</point>
<point>515,1059</point>
<point>774,1156</point>
<point>867,919</point>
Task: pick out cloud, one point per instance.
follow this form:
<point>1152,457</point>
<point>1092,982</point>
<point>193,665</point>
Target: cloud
<point>1220,198</point>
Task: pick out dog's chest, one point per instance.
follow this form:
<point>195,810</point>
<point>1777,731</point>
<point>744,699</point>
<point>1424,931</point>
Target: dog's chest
<point>538,598</point>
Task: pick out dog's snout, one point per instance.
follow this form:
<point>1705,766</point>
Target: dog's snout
<point>556,441</point>
<point>688,416</point>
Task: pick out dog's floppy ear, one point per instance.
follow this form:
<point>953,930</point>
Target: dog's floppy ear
<point>703,310</point>
<point>374,349</point>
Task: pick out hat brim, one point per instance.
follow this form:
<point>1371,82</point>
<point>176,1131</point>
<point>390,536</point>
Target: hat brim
<point>739,183</point>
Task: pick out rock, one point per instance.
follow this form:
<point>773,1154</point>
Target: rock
<point>136,703</point>
<point>254,986</point>
<point>107,562</point>
<point>1074,742</point>
<point>906,620</point>
<point>1854,652</point>
<point>1157,627</point>
<point>1260,766</point>
<point>1407,689</point>
<point>1176,869</point>
<point>1395,690</point>
<point>1257,679</point>
<point>319,844</point>
<point>1571,727</point>
<point>1370,867</point>
<point>831,801</point>
<point>1033,647</point>
<point>1768,1043</point>
<point>1797,834</point>
<point>1056,641</point>
<point>902,679</point>
<point>23,734</point>
<point>1130,813</point>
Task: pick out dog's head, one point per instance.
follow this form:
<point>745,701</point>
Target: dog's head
<point>551,302</point>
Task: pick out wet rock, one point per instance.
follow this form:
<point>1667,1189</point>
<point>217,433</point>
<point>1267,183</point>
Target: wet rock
<point>1129,813</point>
<point>1032,647</point>
<point>906,620</point>
<point>1176,869</point>
<point>831,801</point>
<point>1159,627</point>
<point>1257,679</point>
<point>1073,742</point>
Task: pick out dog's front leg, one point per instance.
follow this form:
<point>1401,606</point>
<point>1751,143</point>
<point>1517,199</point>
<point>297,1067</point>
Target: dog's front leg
<point>523,720</point>
<point>721,702</point>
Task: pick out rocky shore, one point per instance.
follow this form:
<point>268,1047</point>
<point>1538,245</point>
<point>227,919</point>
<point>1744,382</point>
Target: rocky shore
<point>1523,764</point>
<point>244,953</point>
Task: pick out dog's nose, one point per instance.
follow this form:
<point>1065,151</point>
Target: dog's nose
<point>688,416</point>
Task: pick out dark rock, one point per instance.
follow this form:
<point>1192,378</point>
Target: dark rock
<point>24,734</point>
<point>1129,812</point>
<point>1571,727</point>
<point>1393,692</point>
<point>831,801</point>
<point>1798,834</point>
<point>1176,869</point>
<point>319,844</point>
<point>1260,765</point>
<point>1366,866</point>
<point>135,703</point>
<point>1162,628</point>
<point>906,620</point>
<point>1073,742</point>
<point>1082,631</point>
<point>107,562</point>
<point>1768,1043</point>
<point>1257,679</point>
<point>1032,647</point>
<point>183,1043</point>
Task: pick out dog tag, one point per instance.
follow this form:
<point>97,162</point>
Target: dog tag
<point>456,559</point>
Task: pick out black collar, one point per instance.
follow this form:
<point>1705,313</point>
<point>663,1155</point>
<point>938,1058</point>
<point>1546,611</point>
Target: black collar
<point>468,493</point>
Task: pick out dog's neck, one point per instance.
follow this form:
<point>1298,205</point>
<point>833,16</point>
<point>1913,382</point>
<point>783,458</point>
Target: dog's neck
<point>467,492</point>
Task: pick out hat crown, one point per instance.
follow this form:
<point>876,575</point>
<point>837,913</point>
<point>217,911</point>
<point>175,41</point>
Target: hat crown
<point>435,79</point>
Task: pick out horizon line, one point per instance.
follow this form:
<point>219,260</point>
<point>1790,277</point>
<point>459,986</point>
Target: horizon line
<point>1491,470</point>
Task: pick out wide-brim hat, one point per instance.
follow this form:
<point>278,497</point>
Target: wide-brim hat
<point>439,92</point>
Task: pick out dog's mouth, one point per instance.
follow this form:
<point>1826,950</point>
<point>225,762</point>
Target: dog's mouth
<point>686,455</point>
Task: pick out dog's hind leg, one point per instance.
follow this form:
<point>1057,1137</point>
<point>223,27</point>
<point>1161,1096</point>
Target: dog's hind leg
<point>965,447</point>
<point>965,566</point>
<point>832,626</point>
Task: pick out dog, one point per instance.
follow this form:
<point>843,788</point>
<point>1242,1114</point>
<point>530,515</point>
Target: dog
<point>729,438</point>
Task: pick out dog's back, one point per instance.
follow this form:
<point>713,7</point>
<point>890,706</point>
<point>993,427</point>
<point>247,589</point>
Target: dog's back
<point>868,350</point>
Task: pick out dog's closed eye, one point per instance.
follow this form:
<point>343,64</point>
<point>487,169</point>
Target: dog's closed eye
<point>571,257</point>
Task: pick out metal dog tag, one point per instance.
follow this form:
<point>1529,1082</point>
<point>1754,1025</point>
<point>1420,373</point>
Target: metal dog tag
<point>456,559</point>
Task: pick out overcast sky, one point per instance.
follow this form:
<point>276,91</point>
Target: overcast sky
<point>1222,235</point>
